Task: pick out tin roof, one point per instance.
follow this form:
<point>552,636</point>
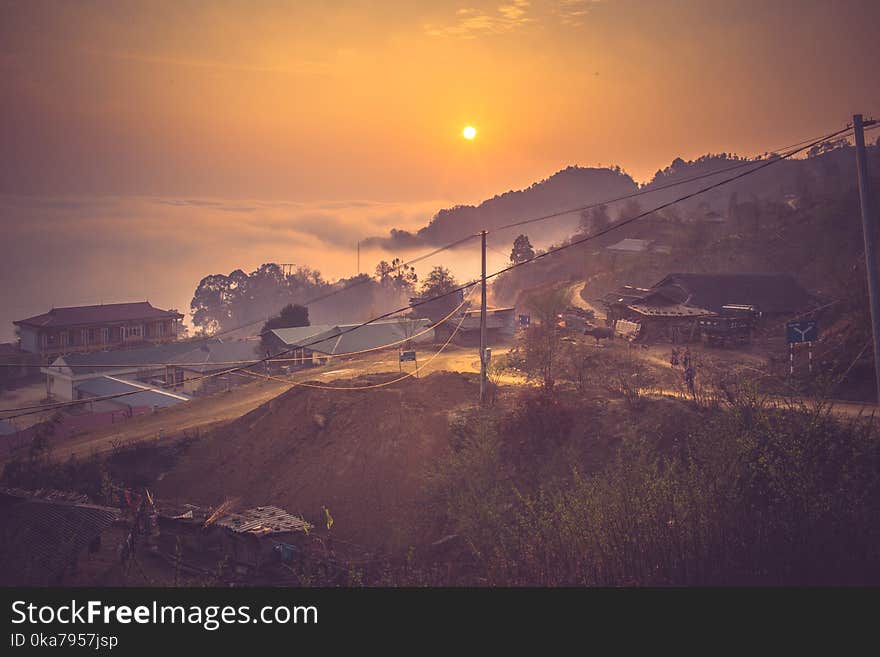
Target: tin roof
<point>215,355</point>
<point>103,361</point>
<point>769,293</point>
<point>671,310</point>
<point>301,334</point>
<point>630,245</point>
<point>142,395</point>
<point>40,538</point>
<point>264,520</point>
<point>349,338</point>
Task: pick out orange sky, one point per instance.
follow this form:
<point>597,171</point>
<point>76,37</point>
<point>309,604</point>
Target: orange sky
<point>366,100</point>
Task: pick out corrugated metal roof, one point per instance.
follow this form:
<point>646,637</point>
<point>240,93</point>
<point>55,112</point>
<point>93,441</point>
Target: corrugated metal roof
<point>770,293</point>
<point>40,538</point>
<point>342,340</point>
<point>263,520</point>
<point>147,396</point>
<point>630,245</point>
<point>99,361</point>
<point>672,310</point>
<point>111,312</point>
<point>214,352</point>
<point>300,334</point>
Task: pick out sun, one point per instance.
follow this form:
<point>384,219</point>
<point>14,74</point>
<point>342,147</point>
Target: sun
<point>469,132</point>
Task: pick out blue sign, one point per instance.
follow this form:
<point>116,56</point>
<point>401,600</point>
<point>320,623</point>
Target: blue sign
<point>524,320</point>
<point>407,356</point>
<point>802,331</point>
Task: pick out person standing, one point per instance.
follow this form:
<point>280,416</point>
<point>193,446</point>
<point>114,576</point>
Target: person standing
<point>690,380</point>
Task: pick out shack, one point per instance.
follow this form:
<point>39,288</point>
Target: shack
<point>684,307</point>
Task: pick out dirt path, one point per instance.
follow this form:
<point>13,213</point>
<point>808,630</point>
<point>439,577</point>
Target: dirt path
<point>578,301</point>
<point>201,413</point>
<point>205,413</point>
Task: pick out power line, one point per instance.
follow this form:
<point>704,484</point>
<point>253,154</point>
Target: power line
<point>641,215</point>
<point>351,286</point>
<point>383,383</point>
<point>547,253</point>
<point>553,215</point>
<point>42,408</point>
<point>644,192</point>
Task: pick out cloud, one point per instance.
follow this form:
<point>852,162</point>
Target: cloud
<point>295,67</point>
<point>470,23</point>
<point>75,251</point>
<point>574,12</point>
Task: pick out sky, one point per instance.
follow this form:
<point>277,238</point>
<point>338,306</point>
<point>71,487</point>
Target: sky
<point>122,122</point>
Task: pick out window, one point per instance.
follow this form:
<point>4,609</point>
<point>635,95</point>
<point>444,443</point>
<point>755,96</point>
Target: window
<point>105,335</point>
<point>133,331</point>
<point>65,338</point>
<point>160,329</point>
<point>84,337</point>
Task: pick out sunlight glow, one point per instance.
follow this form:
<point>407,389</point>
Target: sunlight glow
<point>469,132</point>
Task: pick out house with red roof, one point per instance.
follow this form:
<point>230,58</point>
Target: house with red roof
<point>95,328</point>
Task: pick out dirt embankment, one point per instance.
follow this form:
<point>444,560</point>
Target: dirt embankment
<point>362,454</point>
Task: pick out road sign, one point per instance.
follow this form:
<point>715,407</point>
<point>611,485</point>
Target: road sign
<point>407,356</point>
<point>524,320</point>
<point>802,331</point>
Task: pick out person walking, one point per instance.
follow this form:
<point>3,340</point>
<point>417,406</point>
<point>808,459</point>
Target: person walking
<point>690,380</point>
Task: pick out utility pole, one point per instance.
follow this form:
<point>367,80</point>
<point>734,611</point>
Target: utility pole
<point>359,257</point>
<point>868,231</point>
<point>483,325</point>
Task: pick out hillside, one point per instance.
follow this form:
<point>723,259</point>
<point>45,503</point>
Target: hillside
<point>568,188</point>
<point>360,454</point>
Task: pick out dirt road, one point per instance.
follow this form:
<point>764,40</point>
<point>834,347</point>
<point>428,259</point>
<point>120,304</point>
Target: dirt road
<point>199,414</point>
<point>205,413</point>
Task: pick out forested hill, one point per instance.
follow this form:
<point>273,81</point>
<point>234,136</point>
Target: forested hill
<point>578,186</point>
<point>571,187</point>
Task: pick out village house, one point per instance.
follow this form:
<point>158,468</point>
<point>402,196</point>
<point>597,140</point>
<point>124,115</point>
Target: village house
<point>316,344</point>
<point>500,327</point>
<point>83,329</point>
<point>196,539</point>
<point>185,368</point>
<point>680,304</point>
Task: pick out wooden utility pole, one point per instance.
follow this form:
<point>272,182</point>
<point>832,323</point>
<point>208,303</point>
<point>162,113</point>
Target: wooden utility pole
<point>483,325</point>
<point>868,231</point>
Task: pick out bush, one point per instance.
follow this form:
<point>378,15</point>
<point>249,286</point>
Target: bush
<point>539,423</point>
<point>751,495</point>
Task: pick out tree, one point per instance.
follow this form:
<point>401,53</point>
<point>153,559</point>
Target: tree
<point>397,274</point>
<point>631,208</point>
<point>439,281</point>
<point>291,316</point>
<point>522,250</point>
<point>211,302</point>
<point>594,219</point>
<point>538,352</point>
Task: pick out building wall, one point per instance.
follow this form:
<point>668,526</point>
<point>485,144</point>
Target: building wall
<point>29,339</point>
<point>94,337</point>
<point>59,387</point>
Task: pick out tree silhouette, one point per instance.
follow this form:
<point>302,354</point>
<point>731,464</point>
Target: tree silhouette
<point>522,250</point>
<point>439,281</point>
